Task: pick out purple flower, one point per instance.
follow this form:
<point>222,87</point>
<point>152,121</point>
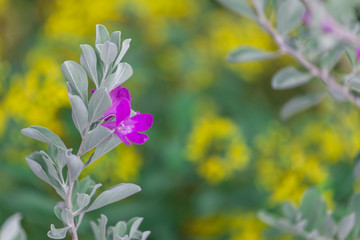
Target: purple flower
<point>358,54</point>
<point>116,95</point>
<point>128,128</point>
<point>327,26</point>
<point>306,18</point>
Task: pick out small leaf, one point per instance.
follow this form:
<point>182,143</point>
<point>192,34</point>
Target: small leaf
<point>11,229</point>
<point>299,104</point>
<point>77,78</point>
<point>43,135</point>
<point>99,230</point>
<point>113,194</point>
<point>88,61</point>
<point>240,7</point>
<point>75,166</point>
<point>116,38</point>
<point>124,48</point>
<point>99,103</point>
<point>354,83</point>
<point>58,210</point>
<point>120,229</point>
<point>103,148</point>
<point>102,34</point>
<point>345,226</point>
<point>134,227</point>
<point>96,137</point>
<point>79,113</point>
<point>32,161</point>
<point>83,200</point>
<point>355,208</point>
<point>289,211</point>
<point>249,54</point>
<point>145,235</point>
<point>59,233</point>
<point>329,227</point>
<point>108,53</point>
<point>123,72</point>
<point>66,216</point>
<point>289,77</point>
<point>289,15</point>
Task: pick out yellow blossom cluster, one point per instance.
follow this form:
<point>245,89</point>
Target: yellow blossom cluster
<point>217,146</point>
<point>288,162</point>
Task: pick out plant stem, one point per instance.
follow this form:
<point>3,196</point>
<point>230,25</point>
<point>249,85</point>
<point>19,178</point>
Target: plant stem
<point>325,77</point>
<point>68,200</point>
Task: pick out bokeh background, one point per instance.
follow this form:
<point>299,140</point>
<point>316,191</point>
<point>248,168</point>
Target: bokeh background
<point>218,151</point>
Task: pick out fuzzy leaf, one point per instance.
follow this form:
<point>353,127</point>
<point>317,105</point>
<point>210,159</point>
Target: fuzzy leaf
<point>96,137</point>
<point>289,15</point>
<point>345,226</point>
<point>123,72</point>
<point>77,78</point>
<point>11,229</point>
<point>299,104</point>
<point>99,103</point>
<point>88,61</point>
<point>103,148</point>
<point>32,161</point>
<point>79,113</point>
<point>108,53</point>
<point>249,54</point>
<point>102,34</point>
<point>43,135</point>
<point>124,48</point>
<point>289,77</point>
<point>75,166</point>
<point>59,233</point>
<point>116,38</point>
<point>83,200</point>
<point>239,6</point>
<point>113,194</point>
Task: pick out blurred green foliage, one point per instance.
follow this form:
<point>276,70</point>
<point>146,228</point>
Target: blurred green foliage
<point>217,151</point>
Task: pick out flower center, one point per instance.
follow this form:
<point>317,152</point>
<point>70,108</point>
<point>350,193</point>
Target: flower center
<point>124,128</point>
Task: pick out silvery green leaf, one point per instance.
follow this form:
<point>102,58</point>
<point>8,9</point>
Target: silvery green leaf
<point>79,113</point>
<point>83,200</point>
<point>61,159</point>
<point>289,77</point>
<point>11,229</point>
<point>123,72</point>
<point>96,137</point>
<point>354,82</point>
<point>94,188</point>
<point>85,185</point>
<point>108,53</point>
<point>329,227</point>
<point>75,166</point>
<point>113,194</point>
<point>240,7</point>
<point>267,218</point>
<point>332,57</point>
<point>77,78</point>
<point>120,229</point>
<point>351,54</point>
<point>103,148</point>
<point>32,161</point>
<point>355,208</point>
<point>124,48</point>
<point>59,233</point>
<point>249,54</point>
<point>66,216</point>
<point>345,226</point>
<point>299,104</point>
<point>134,227</point>
<point>99,230</point>
<point>88,62</point>
<point>121,238</point>
<point>99,103</point>
<point>116,38</point>
<point>145,235</point>
<point>289,211</point>
<point>289,15</point>
<point>70,88</point>
<point>43,135</point>
<point>50,166</point>
<point>98,49</point>
<point>58,210</point>
<point>102,34</point>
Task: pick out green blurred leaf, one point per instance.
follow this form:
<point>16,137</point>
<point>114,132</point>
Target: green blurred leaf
<point>240,7</point>
<point>248,54</point>
<point>345,226</point>
<point>289,15</point>
<point>11,229</point>
<point>299,104</point>
<point>289,77</point>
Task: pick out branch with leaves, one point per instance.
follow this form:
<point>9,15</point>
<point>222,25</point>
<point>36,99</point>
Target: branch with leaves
<point>306,31</point>
<point>104,119</point>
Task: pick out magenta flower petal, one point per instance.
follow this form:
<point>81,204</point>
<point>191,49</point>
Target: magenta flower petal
<point>123,111</point>
<point>358,53</point>
<point>138,138</point>
<point>142,122</point>
<point>122,138</point>
<point>116,95</point>
<point>109,125</point>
